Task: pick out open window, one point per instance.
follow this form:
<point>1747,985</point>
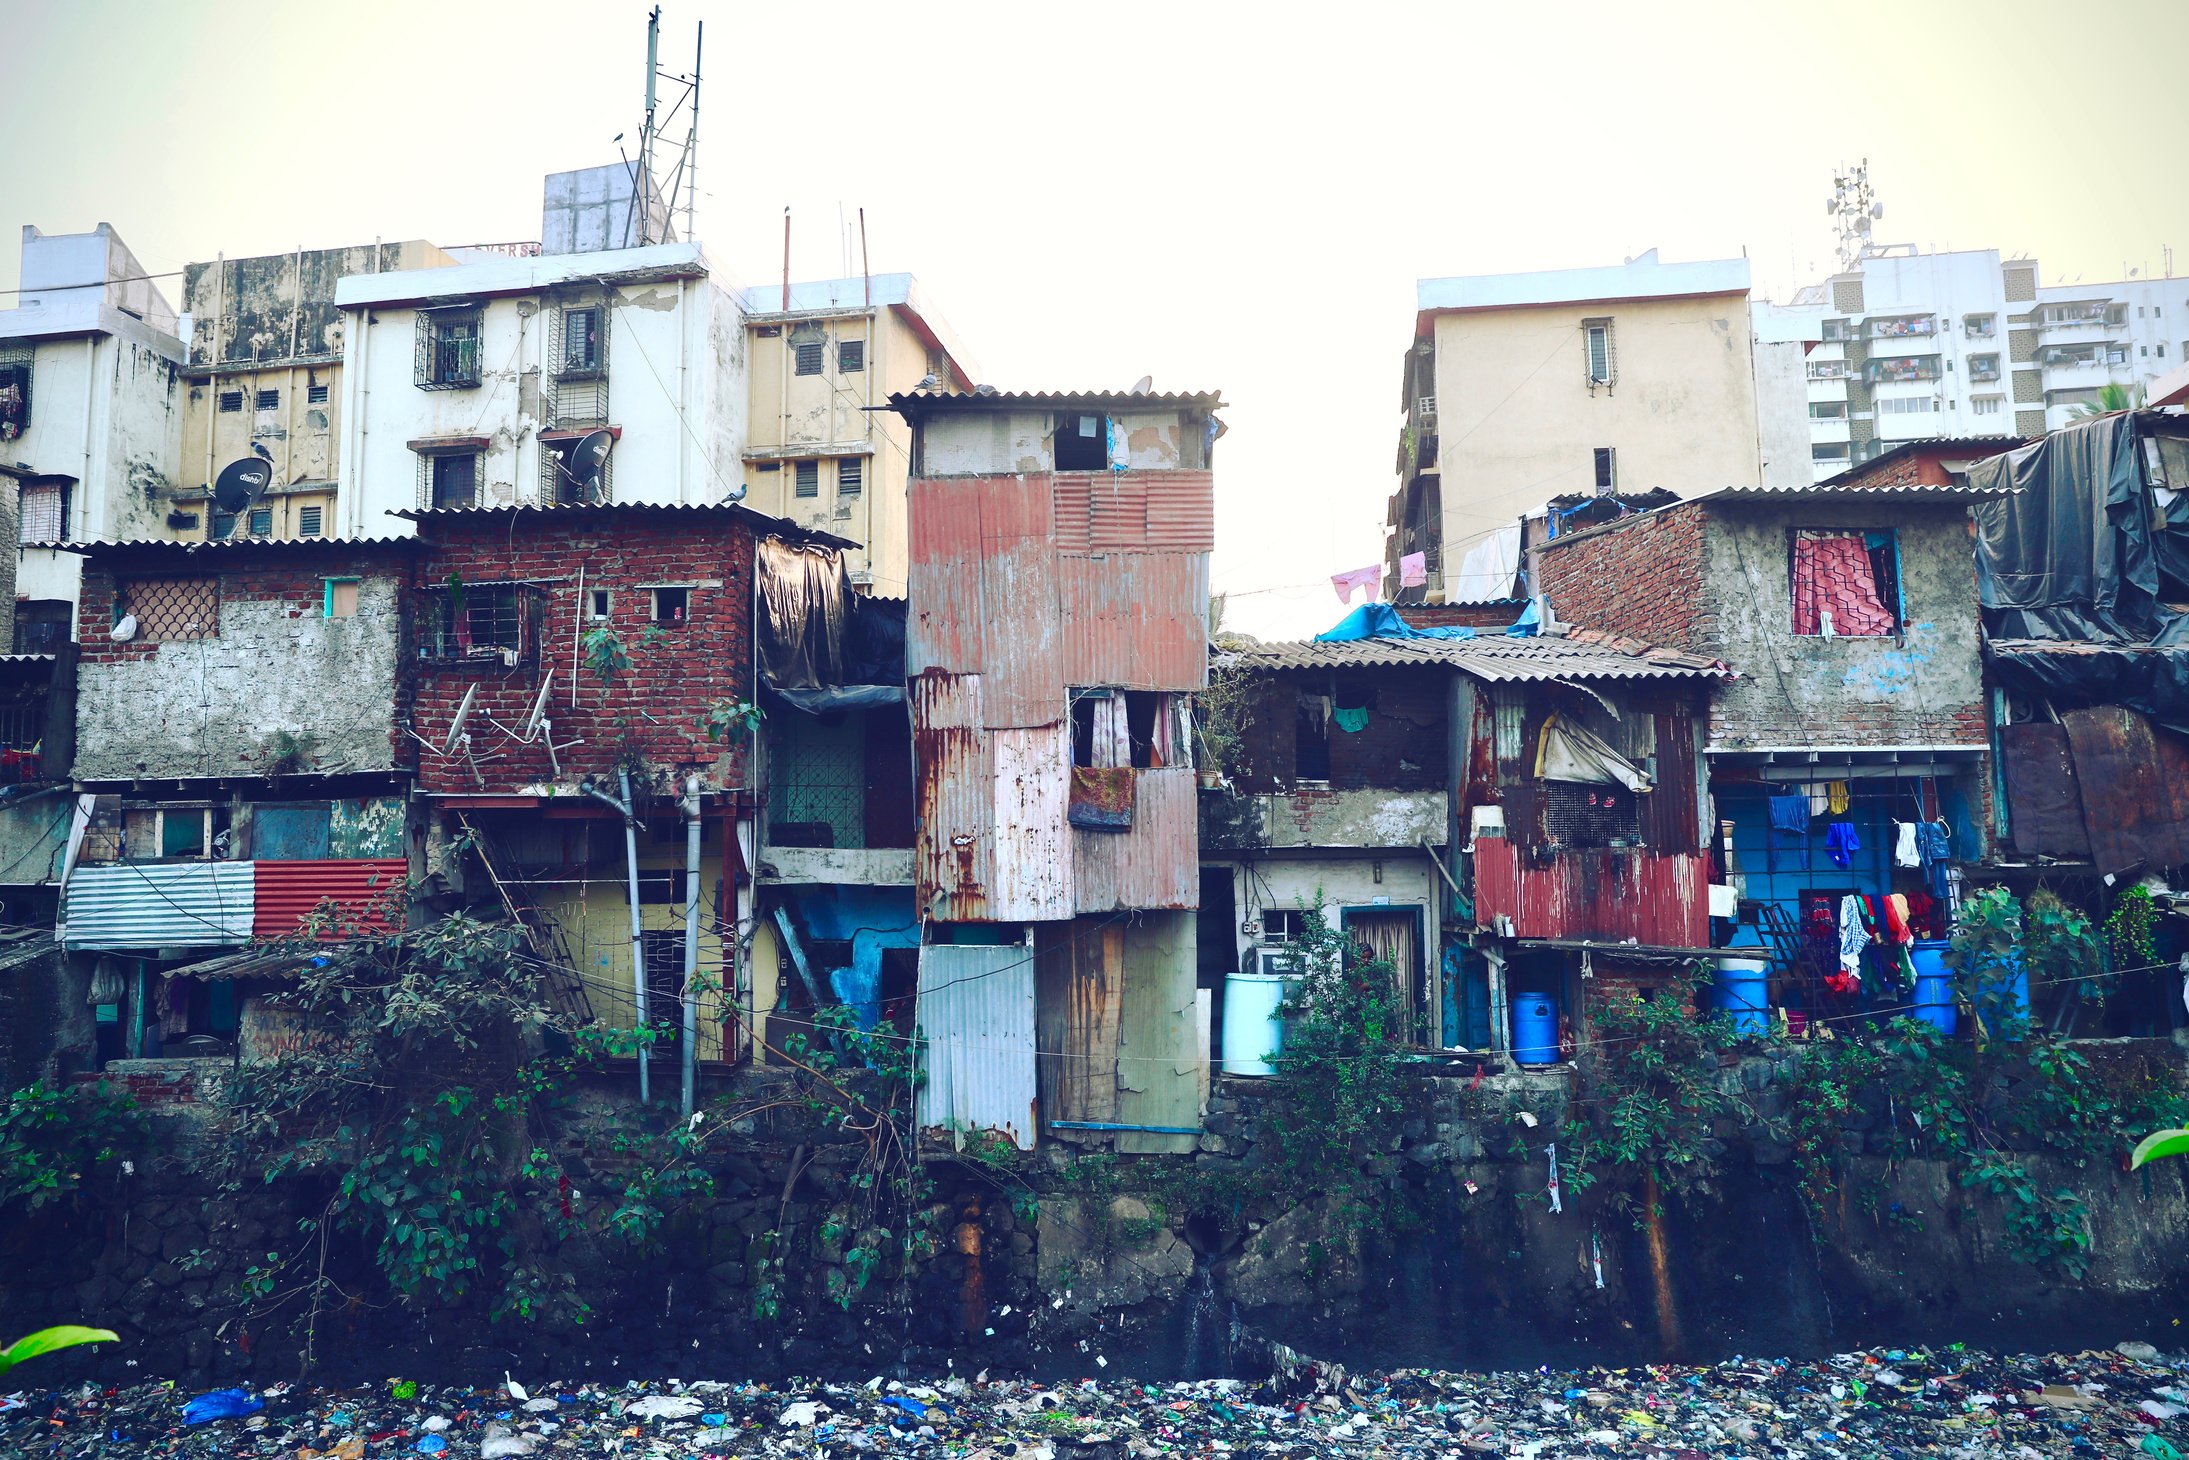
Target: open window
<point>1311,737</point>
<point>448,349</point>
<point>672,606</point>
<point>580,352</point>
<point>476,621</point>
<point>1120,729</point>
<point>1082,442</point>
<point>15,374</point>
<point>1844,584</point>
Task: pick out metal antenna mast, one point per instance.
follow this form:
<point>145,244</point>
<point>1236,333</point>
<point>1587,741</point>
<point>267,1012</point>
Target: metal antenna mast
<point>1852,207</point>
<point>658,203</point>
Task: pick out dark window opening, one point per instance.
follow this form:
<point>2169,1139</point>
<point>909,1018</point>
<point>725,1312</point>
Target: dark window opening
<point>581,354</point>
<point>15,373</point>
<point>1283,925</point>
<point>809,479</point>
<point>231,400</point>
<point>1607,469</point>
<point>1082,442</point>
<point>315,395</point>
<point>1578,815</point>
<point>672,606</point>
<point>448,349</point>
<point>455,479</point>
<point>42,625</point>
<point>1311,739</point>
<point>603,602</point>
<point>262,522</point>
<point>564,487</point>
<point>269,400</point>
<point>807,357</point>
<point>222,527</point>
<point>1116,728</point>
<point>663,950</point>
<point>475,621</point>
<point>850,356</point>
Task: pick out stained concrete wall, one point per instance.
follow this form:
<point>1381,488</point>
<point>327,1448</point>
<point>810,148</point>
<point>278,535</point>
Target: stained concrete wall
<point>1333,884</point>
<point>973,443</point>
<point>212,707</point>
<point>1922,686</point>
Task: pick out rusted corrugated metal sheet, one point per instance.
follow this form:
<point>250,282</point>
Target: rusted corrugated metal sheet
<point>1667,815</point>
<point>1658,899</point>
<point>1170,511</point>
<point>943,622</point>
<point>1158,1037</point>
<point>1080,980</point>
<point>975,1013</point>
<point>2044,802</point>
<point>1016,610</point>
<point>1032,876</point>
<point>159,905</point>
<point>1156,863</point>
<point>1135,620</point>
<point>954,852</point>
<point>367,894</point>
<point>2135,789</point>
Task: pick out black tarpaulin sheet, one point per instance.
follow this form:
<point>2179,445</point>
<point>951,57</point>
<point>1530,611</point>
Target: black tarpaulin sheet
<point>805,608</point>
<point>2069,552</point>
<point>2151,680</point>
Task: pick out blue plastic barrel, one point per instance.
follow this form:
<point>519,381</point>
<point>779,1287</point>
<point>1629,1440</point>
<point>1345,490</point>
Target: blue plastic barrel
<point>1535,1029</point>
<point>1934,984</point>
<point>1744,992</point>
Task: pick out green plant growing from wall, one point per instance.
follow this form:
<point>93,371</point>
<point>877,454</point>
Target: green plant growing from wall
<point>1223,713</point>
<point>52,1141</point>
<point>2130,929</point>
<point>730,721</point>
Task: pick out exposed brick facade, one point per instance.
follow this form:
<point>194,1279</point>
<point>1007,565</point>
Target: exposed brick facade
<point>1404,746</point>
<point>1641,577</point>
<point>1497,613</point>
<point>654,709</point>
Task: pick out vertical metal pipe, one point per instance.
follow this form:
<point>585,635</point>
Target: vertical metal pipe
<point>638,940</point>
<point>691,940</point>
<point>786,265</point>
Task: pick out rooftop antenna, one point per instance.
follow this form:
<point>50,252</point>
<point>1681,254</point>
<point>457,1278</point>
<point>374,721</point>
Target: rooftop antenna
<point>1853,207</point>
<point>659,200</point>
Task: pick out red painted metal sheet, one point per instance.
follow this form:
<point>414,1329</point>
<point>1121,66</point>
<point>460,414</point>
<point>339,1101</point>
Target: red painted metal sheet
<point>954,849</point>
<point>367,894</point>
<point>1135,620</point>
<point>1661,900</point>
<point>1155,864</point>
<point>1022,684</point>
<point>943,624</point>
<point>1171,511</point>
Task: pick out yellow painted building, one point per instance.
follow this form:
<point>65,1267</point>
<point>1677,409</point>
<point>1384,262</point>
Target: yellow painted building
<point>822,449</point>
<point>263,378</point>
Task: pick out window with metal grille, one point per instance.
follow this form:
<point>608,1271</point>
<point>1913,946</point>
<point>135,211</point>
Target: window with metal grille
<point>23,723</point>
<point>1577,815</point>
<point>850,356</point>
<point>262,522</point>
<point>42,625</point>
<point>850,476</point>
<point>451,478</point>
<point>269,400</point>
<point>315,395</point>
<point>1607,469</point>
<point>448,349</point>
<point>817,783</point>
<point>308,521</point>
<point>45,511</point>
<point>231,401</point>
<point>169,610</point>
<point>476,621</point>
<point>15,373</point>
<point>809,479</point>
<point>807,356</point>
<point>1602,360</point>
<point>581,340</point>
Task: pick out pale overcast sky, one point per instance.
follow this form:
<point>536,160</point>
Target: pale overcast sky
<point>1224,196</point>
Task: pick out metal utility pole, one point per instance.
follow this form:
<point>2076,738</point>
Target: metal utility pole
<point>638,937</point>
<point>691,941</point>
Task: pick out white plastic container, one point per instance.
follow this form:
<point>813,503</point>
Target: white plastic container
<point>1253,1034</point>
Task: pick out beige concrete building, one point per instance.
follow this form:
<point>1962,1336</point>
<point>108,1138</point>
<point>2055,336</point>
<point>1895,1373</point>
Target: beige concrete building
<point>822,449</point>
<point>264,376</point>
<point>1523,388</point>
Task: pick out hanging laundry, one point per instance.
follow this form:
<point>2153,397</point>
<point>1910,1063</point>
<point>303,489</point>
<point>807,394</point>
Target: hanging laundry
<point>1556,1204</point>
<point>1837,798</point>
<point>1841,840</point>
<point>1820,801</point>
<point>1853,937</point>
<point>1354,720</point>
<point>1896,918</point>
<point>1368,580</point>
<point>1790,813</point>
<point>1413,570</point>
<point>1934,843</point>
<point>1904,852</point>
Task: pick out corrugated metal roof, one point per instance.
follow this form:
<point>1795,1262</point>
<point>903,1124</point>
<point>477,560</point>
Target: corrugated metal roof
<point>259,962</point>
<point>760,521</point>
<point>365,891</point>
<point>1974,446</point>
<point>18,949</point>
<point>975,1013</point>
<point>934,402</point>
<point>1827,492</point>
<point>1576,654</point>
<point>256,545</point>
<point>159,905</point>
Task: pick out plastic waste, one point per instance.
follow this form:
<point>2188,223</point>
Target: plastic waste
<point>221,1404</point>
<point>665,1406</point>
<point>2137,1351</point>
<point>430,1445</point>
<point>501,1443</point>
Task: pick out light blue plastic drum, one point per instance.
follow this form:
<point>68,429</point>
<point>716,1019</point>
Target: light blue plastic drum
<point>1744,993</point>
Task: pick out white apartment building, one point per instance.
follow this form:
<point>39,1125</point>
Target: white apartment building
<point>1916,346</point>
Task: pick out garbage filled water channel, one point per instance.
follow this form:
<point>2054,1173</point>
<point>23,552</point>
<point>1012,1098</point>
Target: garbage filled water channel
<point>2130,1400</point>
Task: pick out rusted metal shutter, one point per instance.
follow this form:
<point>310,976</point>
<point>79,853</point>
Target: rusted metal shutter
<point>1668,812</point>
<point>976,1023</point>
<point>2135,789</point>
<point>1032,878</point>
<point>1159,1039</point>
<point>954,856</point>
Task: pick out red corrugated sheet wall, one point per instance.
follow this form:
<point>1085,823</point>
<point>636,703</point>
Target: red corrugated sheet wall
<point>368,891</point>
<point>1661,900</point>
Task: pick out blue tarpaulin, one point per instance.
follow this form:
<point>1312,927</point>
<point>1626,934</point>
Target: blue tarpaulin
<point>1382,621</point>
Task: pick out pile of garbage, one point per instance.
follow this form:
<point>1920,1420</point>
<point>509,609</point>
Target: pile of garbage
<point>2128,1401</point>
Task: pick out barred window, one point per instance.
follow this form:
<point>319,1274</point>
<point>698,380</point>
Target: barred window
<point>308,521</point>
<point>581,352</point>
<point>231,401</point>
<point>45,511</point>
<point>807,355</point>
<point>43,625</point>
<point>850,476</point>
<point>476,621</point>
<point>809,479</point>
<point>850,356</point>
<point>1603,359</point>
<point>269,400</point>
<point>262,522</point>
<point>448,349</point>
<point>453,479</point>
<point>15,373</point>
<point>315,395</point>
<point>169,610</point>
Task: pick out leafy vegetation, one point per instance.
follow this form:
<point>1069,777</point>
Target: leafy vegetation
<point>52,1140</point>
<point>50,1340</point>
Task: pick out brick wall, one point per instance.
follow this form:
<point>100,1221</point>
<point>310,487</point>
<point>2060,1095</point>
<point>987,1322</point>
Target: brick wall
<point>654,709</point>
<point>1403,747</point>
<point>1642,578</point>
<point>1495,614</point>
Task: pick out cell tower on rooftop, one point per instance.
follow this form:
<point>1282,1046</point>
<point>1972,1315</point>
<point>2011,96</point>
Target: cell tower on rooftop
<point>1853,207</point>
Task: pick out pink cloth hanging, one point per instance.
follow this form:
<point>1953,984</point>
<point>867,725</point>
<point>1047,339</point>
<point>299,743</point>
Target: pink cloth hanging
<point>1369,580</point>
<point>1413,570</point>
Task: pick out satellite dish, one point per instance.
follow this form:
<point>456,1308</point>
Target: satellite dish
<point>586,458</point>
<point>241,483</point>
<point>1143,385</point>
<point>539,708</point>
<point>463,717</point>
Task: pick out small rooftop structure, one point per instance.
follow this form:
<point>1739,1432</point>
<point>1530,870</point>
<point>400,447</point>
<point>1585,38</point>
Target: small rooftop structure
<point>1561,654</point>
<point>1645,277</point>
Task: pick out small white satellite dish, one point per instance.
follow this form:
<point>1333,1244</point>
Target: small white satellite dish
<point>539,708</point>
<point>124,631</point>
<point>1143,385</point>
<point>463,717</point>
